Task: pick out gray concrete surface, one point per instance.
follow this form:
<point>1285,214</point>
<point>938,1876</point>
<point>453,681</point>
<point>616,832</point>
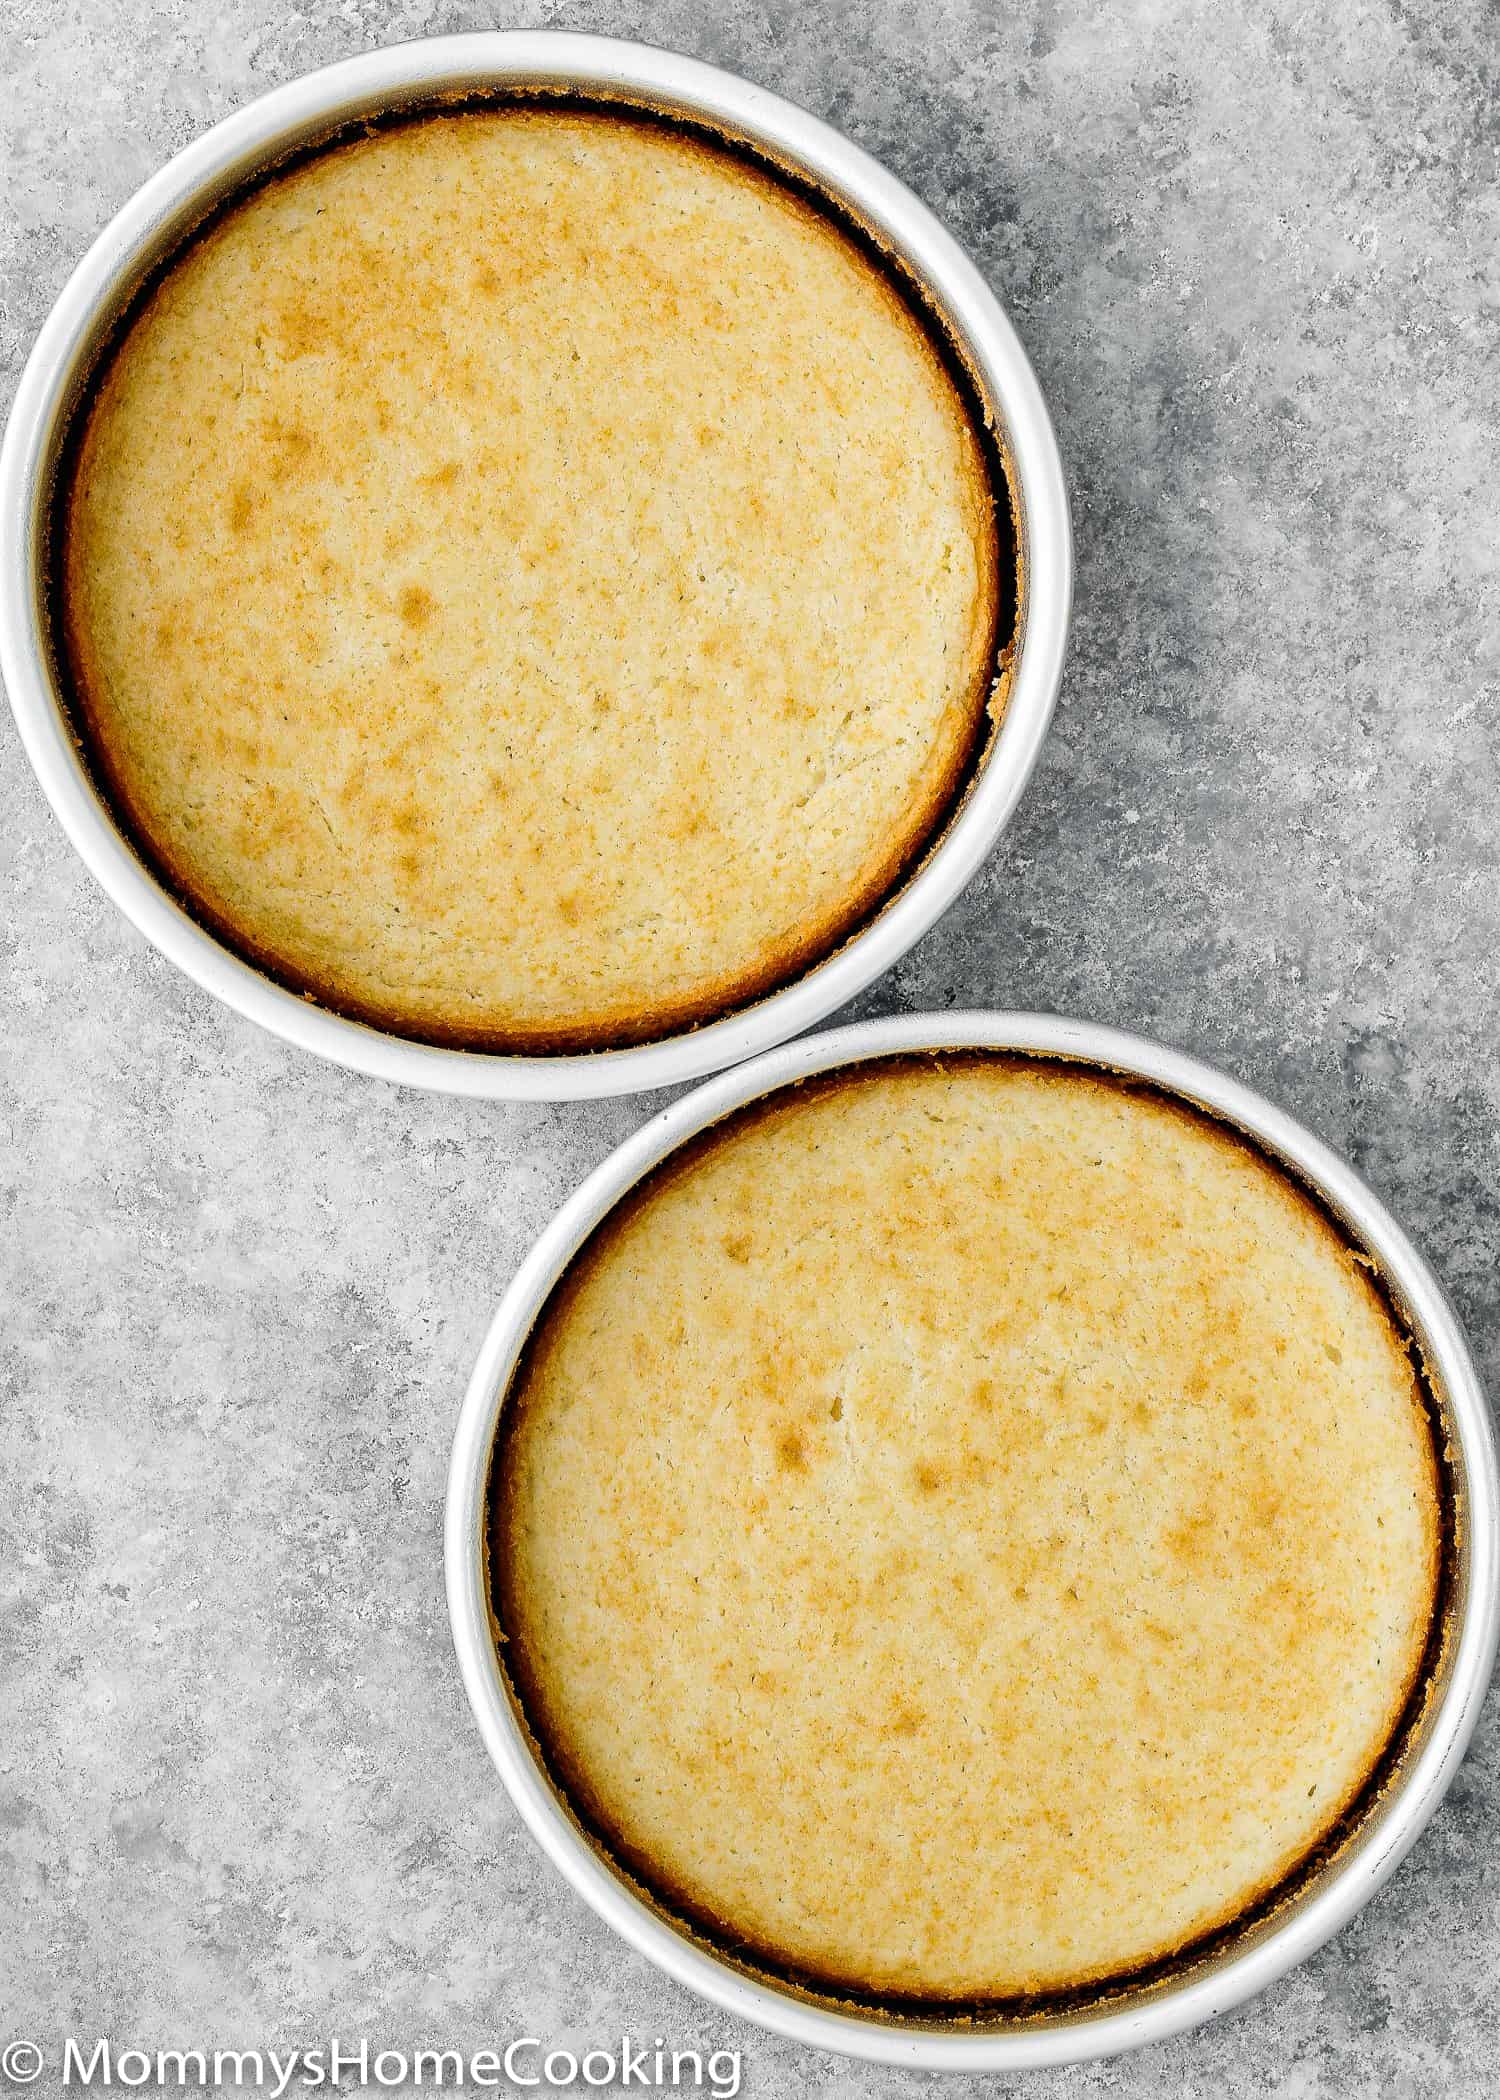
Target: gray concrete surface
<point>1252,250</point>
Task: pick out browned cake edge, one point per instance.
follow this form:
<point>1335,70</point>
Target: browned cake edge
<point>524,1678</point>
<point>935,803</point>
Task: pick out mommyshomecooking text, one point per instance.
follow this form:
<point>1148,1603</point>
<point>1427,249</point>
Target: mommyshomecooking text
<point>525,2062</point>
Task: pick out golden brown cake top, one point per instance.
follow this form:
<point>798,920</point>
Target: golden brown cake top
<point>530,580</point>
<point>966,1530</point>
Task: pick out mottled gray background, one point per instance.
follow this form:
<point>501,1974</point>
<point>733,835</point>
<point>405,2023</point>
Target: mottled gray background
<point>1252,251</point>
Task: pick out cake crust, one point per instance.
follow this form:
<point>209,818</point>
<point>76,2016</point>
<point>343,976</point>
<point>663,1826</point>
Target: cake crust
<point>966,1532</point>
<point>529,582</point>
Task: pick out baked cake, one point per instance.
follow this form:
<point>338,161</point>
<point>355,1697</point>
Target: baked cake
<point>964,1530</point>
<point>529,581</point>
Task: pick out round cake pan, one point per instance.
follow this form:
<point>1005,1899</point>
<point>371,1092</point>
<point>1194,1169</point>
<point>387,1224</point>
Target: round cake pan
<point>1326,1898</point>
<point>161,215</point>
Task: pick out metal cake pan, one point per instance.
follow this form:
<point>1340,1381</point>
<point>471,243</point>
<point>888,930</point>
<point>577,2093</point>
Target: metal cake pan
<point>1318,1905</point>
<point>163,214</point>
